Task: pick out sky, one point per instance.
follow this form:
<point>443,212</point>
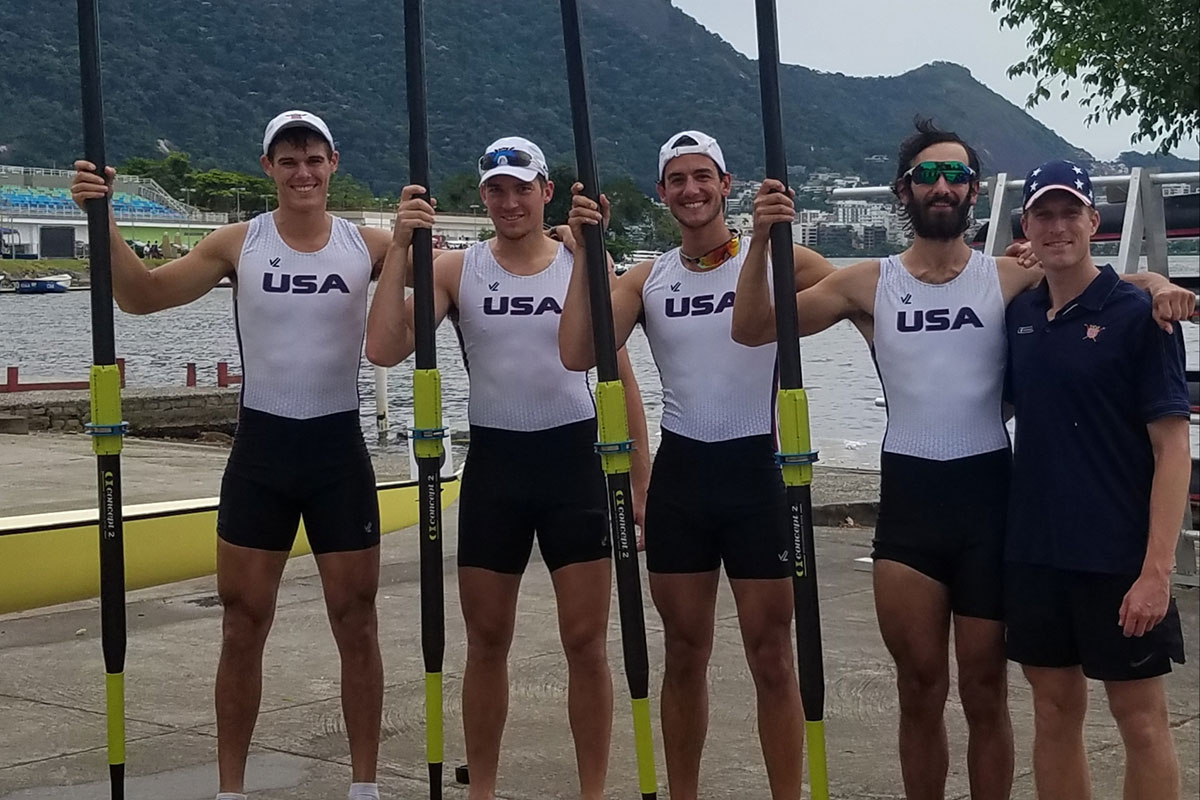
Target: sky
<point>893,36</point>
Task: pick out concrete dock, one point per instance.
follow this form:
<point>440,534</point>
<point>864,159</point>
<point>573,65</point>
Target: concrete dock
<point>52,688</point>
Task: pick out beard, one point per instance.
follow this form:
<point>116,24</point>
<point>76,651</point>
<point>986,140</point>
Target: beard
<point>938,225</point>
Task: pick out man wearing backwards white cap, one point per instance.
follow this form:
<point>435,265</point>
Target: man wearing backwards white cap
<point>716,495</point>
<point>531,468</point>
<point>300,280</point>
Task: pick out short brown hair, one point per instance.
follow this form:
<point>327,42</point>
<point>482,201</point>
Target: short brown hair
<point>300,138</point>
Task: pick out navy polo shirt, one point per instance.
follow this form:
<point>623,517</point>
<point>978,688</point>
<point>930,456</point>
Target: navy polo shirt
<point>1084,386</point>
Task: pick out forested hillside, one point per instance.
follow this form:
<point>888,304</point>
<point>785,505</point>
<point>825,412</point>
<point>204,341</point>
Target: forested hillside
<point>203,76</point>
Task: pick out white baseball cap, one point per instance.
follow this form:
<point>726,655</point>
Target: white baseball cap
<point>685,143</point>
<point>515,156</point>
<point>296,119</point>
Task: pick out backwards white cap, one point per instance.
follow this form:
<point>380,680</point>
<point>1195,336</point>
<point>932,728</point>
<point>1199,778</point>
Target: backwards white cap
<point>296,119</point>
<point>685,143</point>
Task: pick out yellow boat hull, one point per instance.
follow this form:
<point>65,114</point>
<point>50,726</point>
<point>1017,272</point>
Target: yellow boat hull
<point>46,559</point>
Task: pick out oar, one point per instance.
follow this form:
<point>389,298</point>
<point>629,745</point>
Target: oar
<point>614,444</point>
<point>107,427</point>
<point>428,430</point>
<point>796,455</point>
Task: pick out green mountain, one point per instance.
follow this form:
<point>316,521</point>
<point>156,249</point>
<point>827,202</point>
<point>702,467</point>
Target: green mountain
<point>204,76</point>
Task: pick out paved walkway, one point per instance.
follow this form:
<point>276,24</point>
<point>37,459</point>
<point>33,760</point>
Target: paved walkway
<point>52,687</point>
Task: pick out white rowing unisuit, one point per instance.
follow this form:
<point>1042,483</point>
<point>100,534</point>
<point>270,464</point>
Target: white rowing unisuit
<point>301,319</point>
<point>940,350</point>
<point>508,325</point>
<point>714,389</point>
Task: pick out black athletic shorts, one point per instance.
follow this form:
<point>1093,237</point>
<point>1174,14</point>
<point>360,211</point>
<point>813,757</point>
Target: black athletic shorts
<point>282,471</point>
<point>518,483</point>
<point>946,520</point>
<point>714,502</point>
<point>1062,618</point>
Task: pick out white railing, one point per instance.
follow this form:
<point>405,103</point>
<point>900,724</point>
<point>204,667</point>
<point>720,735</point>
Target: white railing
<point>1144,218</point>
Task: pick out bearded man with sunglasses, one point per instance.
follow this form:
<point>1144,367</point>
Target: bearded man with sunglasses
<point>531,467</point>
<point>934,317</point>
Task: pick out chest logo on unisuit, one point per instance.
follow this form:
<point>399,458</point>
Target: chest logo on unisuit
<point>520,306</point>
<point>937,319</point>
<point>699,306</point>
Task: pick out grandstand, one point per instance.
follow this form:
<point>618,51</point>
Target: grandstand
<point>41,220</point>
<point>22,199</point>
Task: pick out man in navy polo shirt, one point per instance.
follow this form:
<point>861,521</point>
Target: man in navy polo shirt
<point>1100,478</point>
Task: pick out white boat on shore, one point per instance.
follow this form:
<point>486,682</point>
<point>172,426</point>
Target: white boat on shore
<point>50,284</point>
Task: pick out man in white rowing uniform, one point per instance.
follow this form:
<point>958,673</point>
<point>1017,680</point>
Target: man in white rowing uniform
<point>716,495</point>
<point>934,317</point>
<point>300,301</point>
<point>531,467</point>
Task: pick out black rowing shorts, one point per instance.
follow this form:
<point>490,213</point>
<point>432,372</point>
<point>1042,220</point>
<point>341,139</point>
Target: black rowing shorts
<point>517,484</point>
<point>1062,618</point>
<point>946,520</point>
<point>714,502</point>
<point>282,471</point>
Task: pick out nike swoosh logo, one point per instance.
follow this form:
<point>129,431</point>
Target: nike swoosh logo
<point>1142,662</point>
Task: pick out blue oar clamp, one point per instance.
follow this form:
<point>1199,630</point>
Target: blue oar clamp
<point>94,429</point>
<point>613,448</point>
<point>794,459</point>
<point>428,433</point>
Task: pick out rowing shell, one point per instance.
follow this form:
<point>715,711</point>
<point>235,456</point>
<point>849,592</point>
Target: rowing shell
<point>46,559</point>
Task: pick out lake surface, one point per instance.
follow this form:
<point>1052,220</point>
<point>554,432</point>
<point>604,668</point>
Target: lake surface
<point>49,336</point>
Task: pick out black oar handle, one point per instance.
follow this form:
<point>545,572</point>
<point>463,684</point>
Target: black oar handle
<point>585,157</point>
<point>99,255</point>
<point>783,267</point>
<point>418,169</point>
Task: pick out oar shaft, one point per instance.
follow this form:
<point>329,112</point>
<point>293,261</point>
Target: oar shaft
<point>795,441</point>
<point>107,425</point>
<point>428,445</point>
<point>613,423</point>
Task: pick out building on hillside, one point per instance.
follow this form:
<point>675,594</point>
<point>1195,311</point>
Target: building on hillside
<point>874,237</point>
<point>850,212</point>
<point>834,237</point>
<point>805,234</point>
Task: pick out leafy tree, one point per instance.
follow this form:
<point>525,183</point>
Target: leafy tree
<point>664,230</point>
<point>458,193</point>
<point>345,192</point>
<point>1136,57</point>
<point>630,205</point>
<point>171,172</point>
<point>562,175</point>
<point>214,189</point>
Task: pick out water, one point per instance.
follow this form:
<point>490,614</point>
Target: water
<point>49,336</point>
